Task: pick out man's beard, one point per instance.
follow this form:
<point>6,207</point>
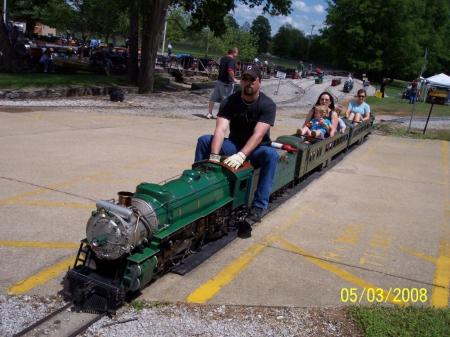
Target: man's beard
<point>249,91</point>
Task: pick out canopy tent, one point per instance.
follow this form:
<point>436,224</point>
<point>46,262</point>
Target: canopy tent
<point>441,80</point>
<point>438,81</point>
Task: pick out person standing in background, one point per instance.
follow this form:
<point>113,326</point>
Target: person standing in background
<point>225,82</point>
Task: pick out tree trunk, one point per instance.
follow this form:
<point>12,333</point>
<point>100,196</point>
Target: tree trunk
<point>30,27</point>
<point>154,13</point>
<point>7,63</point>
<point>133,43</point>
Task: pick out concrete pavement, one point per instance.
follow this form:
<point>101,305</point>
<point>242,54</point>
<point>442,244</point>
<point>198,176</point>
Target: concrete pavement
<point>377,220</point>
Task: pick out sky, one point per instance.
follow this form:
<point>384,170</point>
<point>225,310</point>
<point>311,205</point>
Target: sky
<point>304,14</point>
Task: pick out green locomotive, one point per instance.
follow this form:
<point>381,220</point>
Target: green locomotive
<point>144,234</point>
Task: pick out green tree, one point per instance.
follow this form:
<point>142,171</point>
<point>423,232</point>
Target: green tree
<point>245,41</point>
<point>178,22</point>
<point>434,35</point>
<point>289,42</point>
<point>388,38</point>
<point>57,14</point>
<point>230,21</point>
<point>27,11</point>
<point>262,30</point>
<point>94,16</point>
<point>210,13</point>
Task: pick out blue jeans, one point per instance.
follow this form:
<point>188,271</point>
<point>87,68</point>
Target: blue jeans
<point>263,157</point>
<point>412,97</point>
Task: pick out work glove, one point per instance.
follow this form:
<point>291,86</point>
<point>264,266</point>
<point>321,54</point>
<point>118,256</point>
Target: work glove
<point>214,157</point>
<point>236,160</point>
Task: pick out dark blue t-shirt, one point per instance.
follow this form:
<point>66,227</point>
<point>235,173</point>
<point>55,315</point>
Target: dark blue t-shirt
<point>226,63</point>
<point>243,117</point>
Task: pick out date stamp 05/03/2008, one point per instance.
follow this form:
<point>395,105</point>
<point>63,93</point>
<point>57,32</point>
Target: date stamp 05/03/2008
<point>380,295</point>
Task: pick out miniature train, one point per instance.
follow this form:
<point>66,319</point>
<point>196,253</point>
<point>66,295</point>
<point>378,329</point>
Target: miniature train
<point>144,234</point>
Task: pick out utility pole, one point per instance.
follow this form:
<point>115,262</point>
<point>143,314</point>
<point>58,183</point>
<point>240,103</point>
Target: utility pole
<point>207,43</point>
<point>164,36</point>
<point>4,11</point>
<point>424,66</point>
<point>421,87</point>
<point>309,42</point>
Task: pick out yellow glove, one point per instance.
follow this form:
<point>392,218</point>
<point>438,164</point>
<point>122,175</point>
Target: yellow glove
<point>236,160</point>
<point>214,157</point>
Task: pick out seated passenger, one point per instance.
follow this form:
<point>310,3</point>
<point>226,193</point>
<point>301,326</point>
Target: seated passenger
<point>325,98</point>
<point>47,60</point>
<point>341,124</point>
<point>319,126</point>
<point>358,111</point>
<point>349,78</point>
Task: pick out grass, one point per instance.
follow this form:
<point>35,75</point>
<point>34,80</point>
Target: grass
<point>401,107</point>
<point>20,81</point>
<point>391,130</point>
<point>139,305</point>
<point>394,105</point>
<point>378,321</point>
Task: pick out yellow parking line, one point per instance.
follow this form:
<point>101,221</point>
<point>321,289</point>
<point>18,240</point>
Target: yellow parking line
<point>40,278</point>
<point>419,255</point>
<point>332,268</point>
<point>444,151</point>
<point>35,244</point>
<point>207,291</point>
<point>211,287</point>
<point>19,197</point>
<point>63,204</point>
<point>439,295</point>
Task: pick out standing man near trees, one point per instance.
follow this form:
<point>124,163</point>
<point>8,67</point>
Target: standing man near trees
<point>225,82</point>
<point>301,69</point>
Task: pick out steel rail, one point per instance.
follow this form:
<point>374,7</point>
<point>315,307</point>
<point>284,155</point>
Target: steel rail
<point>78,330</point>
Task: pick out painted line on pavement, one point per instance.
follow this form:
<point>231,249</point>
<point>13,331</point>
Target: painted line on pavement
<point>96,177</point>
<point>42,277</point>
<point>330,267</point>
<point>36,244</point>
<point>60,204</point>
<point>51,188</point>
<point>439,296</point>
<point>418,254</point>
<point>211,287</point>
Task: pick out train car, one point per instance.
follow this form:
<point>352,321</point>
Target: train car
<point>131,241</point>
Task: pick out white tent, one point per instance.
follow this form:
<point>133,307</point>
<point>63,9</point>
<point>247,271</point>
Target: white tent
<point>440,80</point>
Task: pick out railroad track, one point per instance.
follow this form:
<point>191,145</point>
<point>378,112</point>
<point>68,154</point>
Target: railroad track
<point>61,323</point>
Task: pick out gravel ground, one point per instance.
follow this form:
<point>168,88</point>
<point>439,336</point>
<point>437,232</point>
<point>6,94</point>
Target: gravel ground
<point>294,98</point>
<point>435,123</point>
<point>18,312</point>
<point>290,95</point>
<point>180,319</point>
